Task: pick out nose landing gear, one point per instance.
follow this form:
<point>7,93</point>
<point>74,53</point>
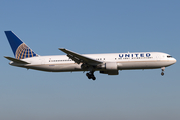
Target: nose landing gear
<point>162,73</point>
<point>90,75</point>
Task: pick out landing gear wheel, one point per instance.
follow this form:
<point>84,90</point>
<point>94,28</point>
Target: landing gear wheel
<point>88,75</point>
<point>162,73</point>
<point>94,78</point>
<point>91,76</point>
<point>163,68</point>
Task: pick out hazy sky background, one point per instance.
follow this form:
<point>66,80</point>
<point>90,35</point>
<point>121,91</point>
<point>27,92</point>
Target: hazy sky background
<point>94,26</point>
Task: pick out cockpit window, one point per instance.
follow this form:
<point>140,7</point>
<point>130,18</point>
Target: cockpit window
<point>169,56</point>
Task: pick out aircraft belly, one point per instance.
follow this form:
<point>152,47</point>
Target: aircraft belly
<point>72,67</point>
<point>57,67</point>
<point>143,65</point>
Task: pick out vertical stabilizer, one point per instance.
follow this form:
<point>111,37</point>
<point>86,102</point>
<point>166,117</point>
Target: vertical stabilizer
<point>19,48</point>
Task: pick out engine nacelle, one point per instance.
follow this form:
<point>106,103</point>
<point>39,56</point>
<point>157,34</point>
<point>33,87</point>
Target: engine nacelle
<point>111,69</point>
<point>111,66</point>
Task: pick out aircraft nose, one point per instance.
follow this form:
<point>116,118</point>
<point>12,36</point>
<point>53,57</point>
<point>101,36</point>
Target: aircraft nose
<point>175,60</point>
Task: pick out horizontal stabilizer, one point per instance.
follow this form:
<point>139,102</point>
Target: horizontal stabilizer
<point>16,60</point>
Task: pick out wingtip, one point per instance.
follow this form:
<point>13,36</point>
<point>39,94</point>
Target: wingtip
<point>61,48</point>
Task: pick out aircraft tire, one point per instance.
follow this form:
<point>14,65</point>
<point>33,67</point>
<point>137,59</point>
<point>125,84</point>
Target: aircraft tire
<point>162,73</point>
<point>94,78</point>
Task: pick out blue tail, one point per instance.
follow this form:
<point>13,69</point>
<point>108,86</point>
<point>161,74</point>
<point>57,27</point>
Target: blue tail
<point>19,48</point>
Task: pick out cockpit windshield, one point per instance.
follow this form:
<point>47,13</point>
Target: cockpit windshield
<point>169,56</point>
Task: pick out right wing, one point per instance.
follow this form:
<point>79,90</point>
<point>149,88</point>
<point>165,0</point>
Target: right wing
<point>78,58</point>
<point>16,60</point>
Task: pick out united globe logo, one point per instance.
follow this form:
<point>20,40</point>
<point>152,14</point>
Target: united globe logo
<point>23,51</point>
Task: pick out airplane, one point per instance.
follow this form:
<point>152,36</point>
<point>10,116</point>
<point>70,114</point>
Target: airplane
<point>109,64</point>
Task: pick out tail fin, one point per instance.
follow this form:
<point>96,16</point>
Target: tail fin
<point>19,48</point>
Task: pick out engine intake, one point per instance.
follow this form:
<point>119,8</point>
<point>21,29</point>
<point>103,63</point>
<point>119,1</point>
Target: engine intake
<point>111,68</point>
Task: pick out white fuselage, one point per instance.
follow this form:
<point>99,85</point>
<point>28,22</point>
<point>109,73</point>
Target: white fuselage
<point>124,61</point>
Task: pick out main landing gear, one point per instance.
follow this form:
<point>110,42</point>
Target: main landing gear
<point>90,75</point>
<point>162,73</point>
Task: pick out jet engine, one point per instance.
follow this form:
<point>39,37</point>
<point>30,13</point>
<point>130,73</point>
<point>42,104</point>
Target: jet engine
<point>111,68</point>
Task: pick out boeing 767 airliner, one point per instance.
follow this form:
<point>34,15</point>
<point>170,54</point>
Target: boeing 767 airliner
<point>104,63</point>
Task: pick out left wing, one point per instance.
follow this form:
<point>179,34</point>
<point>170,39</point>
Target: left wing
<point>78,58</point>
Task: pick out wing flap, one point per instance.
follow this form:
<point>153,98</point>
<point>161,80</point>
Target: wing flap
<point>16,60</point>
<point>78,58</point>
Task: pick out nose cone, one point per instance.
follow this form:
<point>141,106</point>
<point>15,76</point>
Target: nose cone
<point>174,60</point>
<point>171,61</point>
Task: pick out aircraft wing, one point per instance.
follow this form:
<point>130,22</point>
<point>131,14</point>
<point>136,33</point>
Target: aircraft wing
<point>78,58</point>
<point>16,60</point>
